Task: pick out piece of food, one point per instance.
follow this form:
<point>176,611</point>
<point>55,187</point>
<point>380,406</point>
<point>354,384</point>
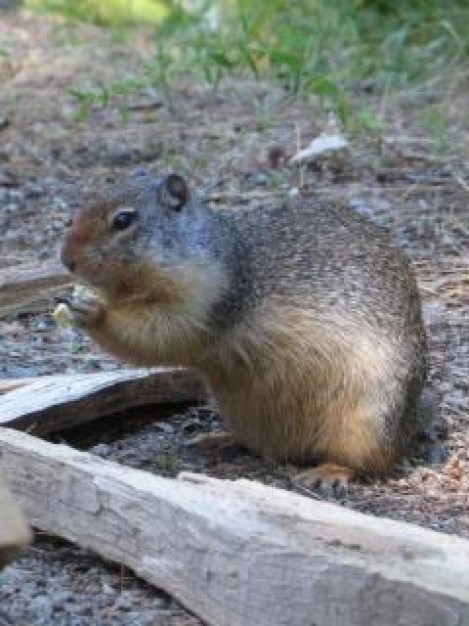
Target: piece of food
<point>62,313</point>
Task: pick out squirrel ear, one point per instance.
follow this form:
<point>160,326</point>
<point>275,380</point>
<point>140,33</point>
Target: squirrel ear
<point>173,192</point>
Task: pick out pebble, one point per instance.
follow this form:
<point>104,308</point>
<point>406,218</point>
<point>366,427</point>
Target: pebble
<point>165,427</point>
<point>59,598</point>
<point>123,602</point>
<point>42,605</point>
<point>101,449</point>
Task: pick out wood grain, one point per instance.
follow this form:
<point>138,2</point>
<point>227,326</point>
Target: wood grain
<point>30,287</point>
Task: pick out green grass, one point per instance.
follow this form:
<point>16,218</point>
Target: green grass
<point>323,46</point>
<point>330,48</point>
<point>106,12</point>
<point>435,123</point>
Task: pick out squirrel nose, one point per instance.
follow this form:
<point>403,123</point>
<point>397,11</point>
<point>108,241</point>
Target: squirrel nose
<point>67,259</point>
<point>70,265</point>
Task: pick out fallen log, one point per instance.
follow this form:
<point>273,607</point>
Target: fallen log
<point>30,287</point>
<point>238,553</point>
<point>14,533</point>
<point>51,403</point>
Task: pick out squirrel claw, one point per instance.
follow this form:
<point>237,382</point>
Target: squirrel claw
<point>85,312</point>
<point>329,479</point>
<point>63,300</point>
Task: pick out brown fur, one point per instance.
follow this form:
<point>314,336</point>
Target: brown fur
<point>305,322</point>
<point>168,323</point>
<point>293,384</point>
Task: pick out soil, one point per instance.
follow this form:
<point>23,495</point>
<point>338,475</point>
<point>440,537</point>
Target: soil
<point>407,176</point>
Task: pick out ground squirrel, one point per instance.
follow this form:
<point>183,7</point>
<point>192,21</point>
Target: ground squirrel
<point>304,319</point>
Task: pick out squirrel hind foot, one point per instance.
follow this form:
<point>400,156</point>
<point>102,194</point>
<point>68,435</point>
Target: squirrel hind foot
<point>328,479</point>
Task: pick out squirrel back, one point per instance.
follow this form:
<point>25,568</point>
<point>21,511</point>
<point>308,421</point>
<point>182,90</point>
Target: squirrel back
<point>329,257</point>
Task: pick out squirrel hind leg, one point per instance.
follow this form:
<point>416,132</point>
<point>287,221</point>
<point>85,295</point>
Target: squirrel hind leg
<point>351,445</point>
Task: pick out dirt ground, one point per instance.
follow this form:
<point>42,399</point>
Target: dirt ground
<point>410,176</point>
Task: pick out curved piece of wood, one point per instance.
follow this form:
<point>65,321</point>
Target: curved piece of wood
<point>51,403</point>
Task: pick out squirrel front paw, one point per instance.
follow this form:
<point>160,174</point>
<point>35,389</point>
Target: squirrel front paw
<point>83,311</point>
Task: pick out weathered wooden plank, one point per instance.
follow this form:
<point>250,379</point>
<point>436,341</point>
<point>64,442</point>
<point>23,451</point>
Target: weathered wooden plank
<point>52,403</point>
<point>31,286</point>
<point>10,384</point>
<point>238,553</point>
<point>14,533</point>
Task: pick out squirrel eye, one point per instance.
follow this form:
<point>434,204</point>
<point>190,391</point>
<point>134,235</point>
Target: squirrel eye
<point>123,219</point>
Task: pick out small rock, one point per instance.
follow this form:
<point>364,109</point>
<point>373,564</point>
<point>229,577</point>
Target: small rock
<point>256,179</point>
<point>361,206</point>
<point>7,179</point>
<point>433,312</point>
<point>106,588</point>
<point>101,449</point>
<point>123,602</point>
<point>58,225</point>
<point>191,425</point>
<point>59,598</point>
<point>42,607</point>
<point>167,429</point>
<point>5,620</point>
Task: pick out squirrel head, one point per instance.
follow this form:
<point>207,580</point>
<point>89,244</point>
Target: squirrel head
<point>140,241</point>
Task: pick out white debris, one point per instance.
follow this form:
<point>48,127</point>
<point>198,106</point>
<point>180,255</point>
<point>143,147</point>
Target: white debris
<point>324,144</point>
